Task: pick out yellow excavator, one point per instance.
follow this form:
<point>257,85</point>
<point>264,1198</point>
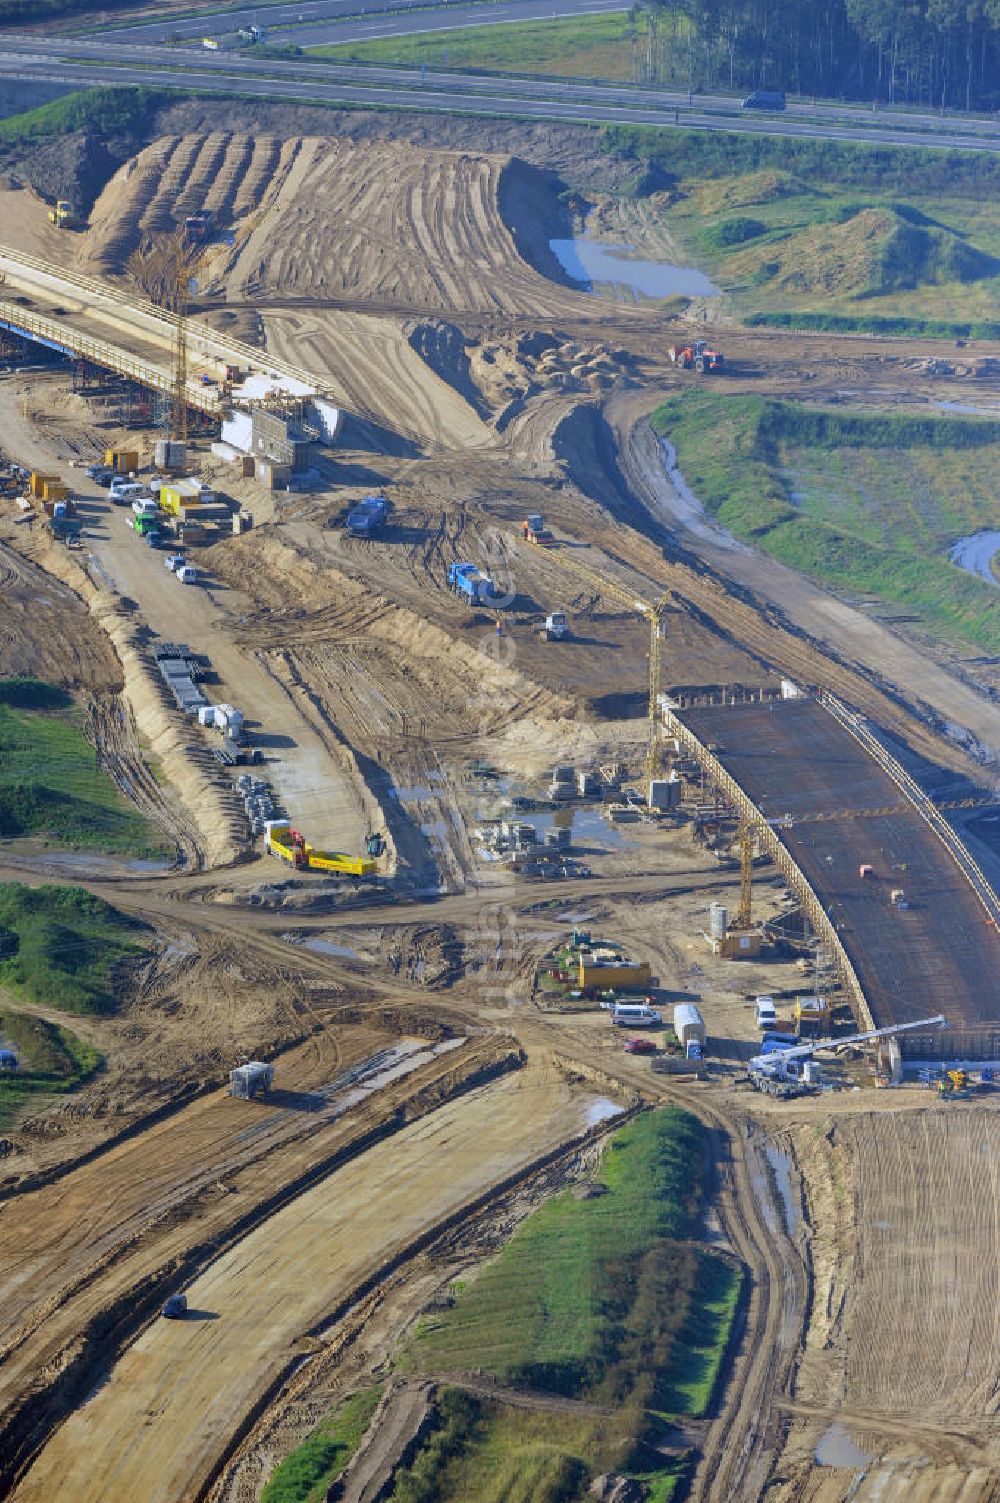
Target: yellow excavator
<point>62,214</point>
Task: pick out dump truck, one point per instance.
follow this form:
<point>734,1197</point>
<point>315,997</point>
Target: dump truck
<point>368,517</point>
<point>556,627</point>
<point>698,355</point>
<point>471,584</point>
<point>62,214</point>
<point>534,530</point>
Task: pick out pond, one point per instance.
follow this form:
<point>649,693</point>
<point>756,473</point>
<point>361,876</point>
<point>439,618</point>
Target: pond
<point>975,554</point>
<point>599,265</point>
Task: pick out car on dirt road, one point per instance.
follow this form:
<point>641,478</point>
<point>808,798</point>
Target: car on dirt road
<point>174,562</point>
<point>175,1308</point>
<point>188,574</point>
<point>157,538</point>
<point>640,1046</point>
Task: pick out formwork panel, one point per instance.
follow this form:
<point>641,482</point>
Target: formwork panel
<point>942,953</point>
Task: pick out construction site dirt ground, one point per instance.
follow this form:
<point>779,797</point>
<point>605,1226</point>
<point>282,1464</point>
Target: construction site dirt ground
<point>479,388</point>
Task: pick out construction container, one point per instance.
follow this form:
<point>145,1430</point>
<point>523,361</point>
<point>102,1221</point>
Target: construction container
<point>250,1080</point>
<point>8,1062</point>
<point>664,793</point>
<point>176,494</point>
<point>865,871</point>
<point>170,454</point>
<point>273,476</point>
<point>588,784</point>
<point>122,461</point>
<point>689,1025</point>
<point>54,490</point>
<point>594,974</point>
<point>38,483</point>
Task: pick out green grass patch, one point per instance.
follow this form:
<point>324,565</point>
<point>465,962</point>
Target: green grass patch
<point>63,947</point>
<point>842,236</point>
<point>489,1451</point>
<point>308,1473</point>
<point>51,1061</point>
<point>51,785</point>
<point>568,47</point>
<point>868,503</point>
<point>106,111</point>
<point>867,323</point>
<point>592,1297</point>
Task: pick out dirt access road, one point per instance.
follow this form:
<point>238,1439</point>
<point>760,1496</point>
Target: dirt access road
<point>173,1402</point>
<point>303,760</point>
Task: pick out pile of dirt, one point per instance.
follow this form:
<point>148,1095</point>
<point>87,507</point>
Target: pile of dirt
<point>446,350</point>
<point>873,252</point>
<point>327,218</point>
<point>74,167</point>
<point>764,187</point>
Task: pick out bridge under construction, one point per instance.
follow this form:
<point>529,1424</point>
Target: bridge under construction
<point>890,888</point>
<point>85,318</point>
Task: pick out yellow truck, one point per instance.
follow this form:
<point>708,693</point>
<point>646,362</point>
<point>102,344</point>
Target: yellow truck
<point>291,847</point>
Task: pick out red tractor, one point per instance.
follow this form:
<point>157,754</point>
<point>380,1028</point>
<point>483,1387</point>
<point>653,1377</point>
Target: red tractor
<point>698,355</point>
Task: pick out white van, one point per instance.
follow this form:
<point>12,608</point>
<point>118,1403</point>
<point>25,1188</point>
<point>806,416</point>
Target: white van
<point>121,492</point>
<point>767,1013</point>
<point>144,506</point>
<point>188,574</point>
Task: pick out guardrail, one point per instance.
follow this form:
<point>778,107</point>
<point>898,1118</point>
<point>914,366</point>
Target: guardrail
<point>783,859</point>
<point>105,292</point>
<point>857,727</point>
<point>101,352</point>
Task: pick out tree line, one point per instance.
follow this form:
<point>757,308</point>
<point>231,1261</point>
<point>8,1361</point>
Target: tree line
<point>941,54</point>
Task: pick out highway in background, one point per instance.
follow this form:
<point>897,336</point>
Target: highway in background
<point>323,21</point>
<point>82,62</point>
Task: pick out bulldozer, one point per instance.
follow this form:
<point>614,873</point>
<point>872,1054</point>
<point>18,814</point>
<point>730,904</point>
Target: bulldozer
<point>698,355</point>
<point>62,215</point>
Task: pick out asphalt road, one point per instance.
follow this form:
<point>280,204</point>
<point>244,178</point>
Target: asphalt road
<point>80,62</point>
<point>280,17</point>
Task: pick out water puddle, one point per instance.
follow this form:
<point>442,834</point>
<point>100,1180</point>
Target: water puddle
<point>588,827</point>
<point>781,1168</point>
<point>602,1110</point>
<point>599,265</point>
<point>329,947</point>
<point>836,1448</point>
<point>975,553</point>
<point>966,408</point>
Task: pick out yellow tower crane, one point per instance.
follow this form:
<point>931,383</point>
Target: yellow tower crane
<point>655,613</point>
<point>744,914</point>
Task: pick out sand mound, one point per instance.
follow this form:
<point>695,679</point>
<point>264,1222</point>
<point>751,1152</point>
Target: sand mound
<point>383,223</point>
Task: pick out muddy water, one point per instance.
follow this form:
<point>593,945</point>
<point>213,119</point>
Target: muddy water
<point>836,1448</point>
<point>599,265</point>
<point>781,1168</point>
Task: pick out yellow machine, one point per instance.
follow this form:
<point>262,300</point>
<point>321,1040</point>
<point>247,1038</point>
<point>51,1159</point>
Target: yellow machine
<point>289,845</point>
<point>62,214</point>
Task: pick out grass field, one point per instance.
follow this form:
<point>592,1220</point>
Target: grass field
<point>604,1299</point>
<point>831,230</point>
<point>51,1061</point>
<point>868,504</point>
<point>569,47</point>
<point>63,947</point>
<point>308,1473</point>
<point>51,786</point>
